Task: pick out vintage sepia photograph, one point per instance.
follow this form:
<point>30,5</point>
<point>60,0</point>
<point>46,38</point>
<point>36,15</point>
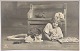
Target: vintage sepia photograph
<point>39,25</point>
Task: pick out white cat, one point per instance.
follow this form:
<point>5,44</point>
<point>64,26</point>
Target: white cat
<point>38,38</point>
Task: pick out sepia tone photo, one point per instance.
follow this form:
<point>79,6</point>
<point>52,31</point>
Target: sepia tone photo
<point>40,25</point>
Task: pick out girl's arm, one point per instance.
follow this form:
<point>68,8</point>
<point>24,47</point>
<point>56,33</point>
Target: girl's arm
<point>47,36</point>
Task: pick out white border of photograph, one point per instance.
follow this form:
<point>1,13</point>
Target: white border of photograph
<point>38,0</point>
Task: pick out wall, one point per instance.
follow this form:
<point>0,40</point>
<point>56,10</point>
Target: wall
<point>14,14</point>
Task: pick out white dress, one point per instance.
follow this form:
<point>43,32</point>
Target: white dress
<point>53,32</point>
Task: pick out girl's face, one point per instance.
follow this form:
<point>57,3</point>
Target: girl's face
<point>55,25</point>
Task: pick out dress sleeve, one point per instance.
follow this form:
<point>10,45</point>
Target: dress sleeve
<point>47,28</point>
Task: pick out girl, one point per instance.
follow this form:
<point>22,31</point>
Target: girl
<point>52,30</point>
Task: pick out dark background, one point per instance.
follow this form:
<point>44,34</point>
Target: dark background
<point>14,16</point>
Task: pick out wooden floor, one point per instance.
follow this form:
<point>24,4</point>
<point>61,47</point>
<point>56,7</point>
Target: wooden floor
<point>45,45</point>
